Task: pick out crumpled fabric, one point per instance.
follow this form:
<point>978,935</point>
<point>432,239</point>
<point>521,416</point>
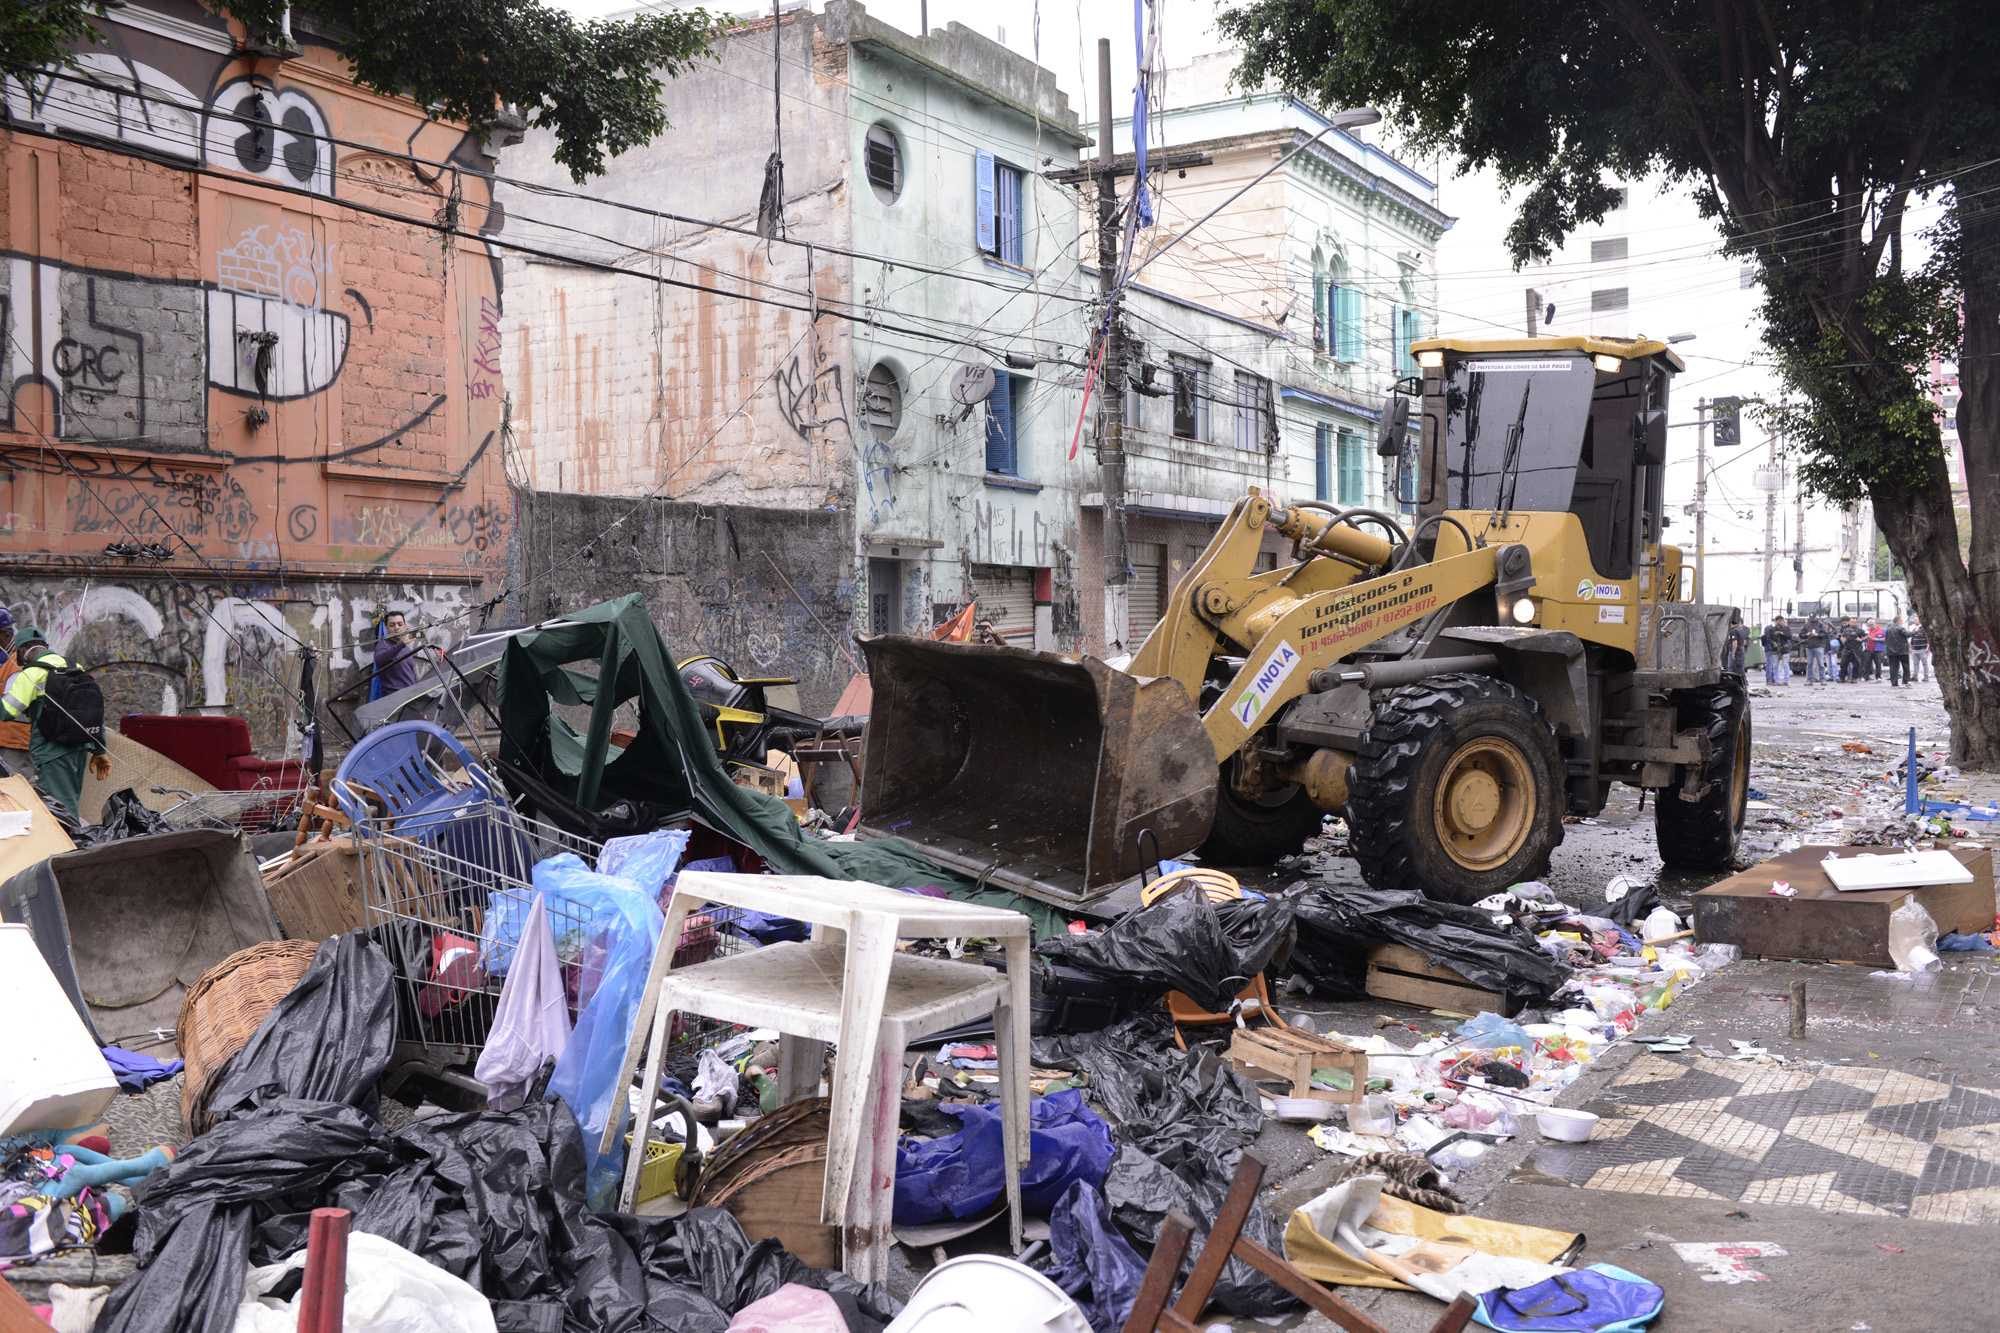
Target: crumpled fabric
<point>1184,1119</point>
<point>1207,951</point>
<point>1091,1259</point>
<point>328,1040</point>
<point>136,1071</point>
<point>531,1024</point>
<point>964,1175</point>
<point>1337,924</point>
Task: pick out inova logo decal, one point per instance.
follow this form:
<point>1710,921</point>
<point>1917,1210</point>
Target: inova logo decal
<point>1265,683</point>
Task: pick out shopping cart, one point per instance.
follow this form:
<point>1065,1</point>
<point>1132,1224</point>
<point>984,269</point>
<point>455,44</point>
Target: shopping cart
<point>440,886</point>
<point>260,809</point>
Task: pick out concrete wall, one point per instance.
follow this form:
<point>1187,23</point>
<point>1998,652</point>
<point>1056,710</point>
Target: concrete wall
<point>682,358</point>
<point>945,99</point>
<point>283,408</point>
<point>766,590</point>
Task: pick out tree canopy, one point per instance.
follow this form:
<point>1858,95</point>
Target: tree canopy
<point>1804,128</point>
<point>596,86</point>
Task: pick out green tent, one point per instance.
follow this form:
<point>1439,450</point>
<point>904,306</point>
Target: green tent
<point>670,768</point>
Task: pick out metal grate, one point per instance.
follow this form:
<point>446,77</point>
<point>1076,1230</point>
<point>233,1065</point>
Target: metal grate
<point>438,884</point>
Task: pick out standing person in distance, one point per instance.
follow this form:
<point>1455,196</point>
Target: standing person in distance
<point>1896,647</point>
<point>1920,649</point>
<point>1777,652</point>
<point>1738,645</point>
<point>1876,637</point>
<point>1818,635</point>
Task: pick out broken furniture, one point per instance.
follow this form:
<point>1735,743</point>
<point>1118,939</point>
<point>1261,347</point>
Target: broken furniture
<point>771,1178</point>
<point>1819,922</point>
<point>1398,972</point>
<point>848,985</point>
<point>1252,1002</point>
<point>127,926</point>
<point>218,749</point>
<point>1151,1312</point>
<point>1294,1055</point>
<point>315,888</point>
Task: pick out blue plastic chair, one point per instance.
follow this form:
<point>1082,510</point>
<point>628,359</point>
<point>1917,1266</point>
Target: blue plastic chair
<point>392,763</point>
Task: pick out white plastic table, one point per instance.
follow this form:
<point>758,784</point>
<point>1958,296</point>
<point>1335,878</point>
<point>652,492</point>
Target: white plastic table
<point>850,986</point>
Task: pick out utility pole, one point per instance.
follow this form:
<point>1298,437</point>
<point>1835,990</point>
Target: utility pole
<point>1798,540</point>
<point>1111,393</point>
<point>1700,494</point>
<point>1771,518</point>
<point>1534,311</point>
<point>1103,174</point>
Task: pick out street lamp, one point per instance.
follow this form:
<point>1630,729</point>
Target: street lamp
<point>1680,337</point>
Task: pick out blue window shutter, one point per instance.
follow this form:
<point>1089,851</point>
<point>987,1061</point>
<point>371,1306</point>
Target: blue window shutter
<point>1008,195</point>
<point>1335,294</point>
<point>982,201</point>
<point>1319,311</point>
<point>1000,425</point>
<point>1353,486</point>
<point>1323,462</point>
<point>1396,337</point>
<point>1413,329</point>
<point>1350,324</point>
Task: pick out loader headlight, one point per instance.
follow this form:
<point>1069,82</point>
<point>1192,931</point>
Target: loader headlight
<point>1431,360</point>
<point>1524,611</point>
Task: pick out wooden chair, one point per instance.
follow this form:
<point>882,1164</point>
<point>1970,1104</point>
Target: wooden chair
<point>1151,1314</point>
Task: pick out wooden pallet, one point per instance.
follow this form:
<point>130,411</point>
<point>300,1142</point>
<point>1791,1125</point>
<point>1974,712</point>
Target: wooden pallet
<point>1397,972</point>
<point>1294,1055</point>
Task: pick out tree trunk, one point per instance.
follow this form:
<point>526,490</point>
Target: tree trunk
<point>1922,532</point>
<point>1959,599</point>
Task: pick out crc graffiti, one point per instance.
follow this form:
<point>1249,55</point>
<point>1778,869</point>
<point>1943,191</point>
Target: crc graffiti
<point>486,350</point>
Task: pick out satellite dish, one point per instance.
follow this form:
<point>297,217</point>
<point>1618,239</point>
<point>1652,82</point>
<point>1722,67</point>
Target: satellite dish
<point>971,385</point>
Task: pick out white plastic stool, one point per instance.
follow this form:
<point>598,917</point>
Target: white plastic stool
<point>849,986</point>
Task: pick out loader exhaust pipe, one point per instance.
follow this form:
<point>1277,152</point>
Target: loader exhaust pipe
<point>1407,671</point>
<point>1034,771</point>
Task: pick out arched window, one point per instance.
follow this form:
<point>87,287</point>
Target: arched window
<point>1319,300</point>
<point>1406,323</point>
<point>1343,313</point>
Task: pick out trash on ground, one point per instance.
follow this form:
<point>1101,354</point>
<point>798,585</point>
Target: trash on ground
<point>1727,1261</point>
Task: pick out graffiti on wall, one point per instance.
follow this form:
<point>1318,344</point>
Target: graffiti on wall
<point>239,381</point>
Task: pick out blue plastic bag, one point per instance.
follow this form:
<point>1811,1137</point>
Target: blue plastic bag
<point>624,925</point>
<point>647,859</point>
<point>964,1174</point>
<point>1091,1260</point>
<point>1602,1298</point>
<point>1489,1032</point>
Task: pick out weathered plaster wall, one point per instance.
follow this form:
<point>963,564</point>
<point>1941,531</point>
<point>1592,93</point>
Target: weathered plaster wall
<point>766,590</point>
<point>679,357</point>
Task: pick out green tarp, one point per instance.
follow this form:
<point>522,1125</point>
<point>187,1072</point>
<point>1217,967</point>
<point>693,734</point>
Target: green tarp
<point>670,766</point>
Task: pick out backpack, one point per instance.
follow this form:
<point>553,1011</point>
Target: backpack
<point>72,706</point>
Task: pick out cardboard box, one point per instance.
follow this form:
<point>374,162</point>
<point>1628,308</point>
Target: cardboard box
<point>1822,924</point>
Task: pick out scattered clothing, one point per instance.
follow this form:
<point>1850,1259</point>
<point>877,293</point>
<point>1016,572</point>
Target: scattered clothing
<point>531,1024</point>
<point>136,1071</point>
<point>32,1224</point>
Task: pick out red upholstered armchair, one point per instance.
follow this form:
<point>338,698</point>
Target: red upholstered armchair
<point>215,748</point>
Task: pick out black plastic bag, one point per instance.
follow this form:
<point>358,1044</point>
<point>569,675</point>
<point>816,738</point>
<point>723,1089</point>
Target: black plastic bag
<point>1208,951</point>
<point>123,817</point>
<point>704,1250</point>
<point>1092,1260</point>
<point>1633,907</point>
<point>328,1040</point>
<point>1184,1119</point>
<point>1338,924</point>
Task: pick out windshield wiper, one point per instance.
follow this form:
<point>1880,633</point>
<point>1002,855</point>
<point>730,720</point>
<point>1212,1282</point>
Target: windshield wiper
<point>1510,462</point>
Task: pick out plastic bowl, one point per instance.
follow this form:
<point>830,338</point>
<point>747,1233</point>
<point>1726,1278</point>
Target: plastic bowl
<point>1568,1126</point>
<point>1303,1109</point>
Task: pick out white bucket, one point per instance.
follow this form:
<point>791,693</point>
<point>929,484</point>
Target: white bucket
<point>52,1076</point>
<point>984,1293</point>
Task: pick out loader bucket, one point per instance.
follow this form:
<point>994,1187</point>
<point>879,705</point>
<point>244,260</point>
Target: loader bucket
<point>1036,771</point>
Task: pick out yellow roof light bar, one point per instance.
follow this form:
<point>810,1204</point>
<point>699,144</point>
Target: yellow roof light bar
<point>1619,349</point>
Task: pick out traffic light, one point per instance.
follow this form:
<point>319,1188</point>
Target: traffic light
<point>1727,416</point>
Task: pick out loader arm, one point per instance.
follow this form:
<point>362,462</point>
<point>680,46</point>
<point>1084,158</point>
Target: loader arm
<point>1324,627</point>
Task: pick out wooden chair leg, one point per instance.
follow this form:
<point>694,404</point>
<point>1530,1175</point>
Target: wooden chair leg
<point>1161,1270</point>
<point>1223,1234</point>
<point>1457,1315</point>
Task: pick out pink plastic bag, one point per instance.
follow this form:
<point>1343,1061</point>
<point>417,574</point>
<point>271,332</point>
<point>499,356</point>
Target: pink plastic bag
<point>791,1309</point>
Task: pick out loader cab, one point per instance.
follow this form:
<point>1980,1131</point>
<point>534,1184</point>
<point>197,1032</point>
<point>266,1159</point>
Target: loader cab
<point>1556,425</point>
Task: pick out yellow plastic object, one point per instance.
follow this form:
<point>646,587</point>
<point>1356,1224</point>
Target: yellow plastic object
<point>657,1175</point>
<point>1214,885</point>
<point>1318,1257</point>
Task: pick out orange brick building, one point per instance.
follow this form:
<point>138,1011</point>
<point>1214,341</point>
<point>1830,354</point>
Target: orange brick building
<point>250,335</point>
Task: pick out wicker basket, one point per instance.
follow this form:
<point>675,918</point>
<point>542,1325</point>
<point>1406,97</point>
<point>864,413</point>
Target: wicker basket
<point>224,1008</point>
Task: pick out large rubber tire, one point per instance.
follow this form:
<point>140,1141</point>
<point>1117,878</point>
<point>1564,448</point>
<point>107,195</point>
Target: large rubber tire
<point>1702,834</point>
<point>1419,733</point>
<point>1252,833</point>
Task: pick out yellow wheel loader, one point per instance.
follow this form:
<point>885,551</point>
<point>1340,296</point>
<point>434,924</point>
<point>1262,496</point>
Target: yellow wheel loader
<point>1452,687</point>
